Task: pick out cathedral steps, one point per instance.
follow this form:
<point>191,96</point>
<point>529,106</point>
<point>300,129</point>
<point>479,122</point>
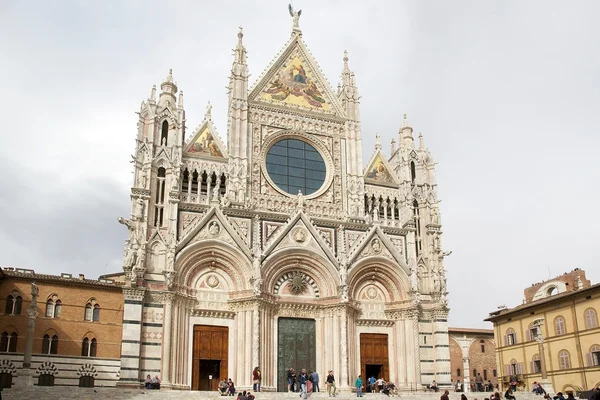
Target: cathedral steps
<point>69,393</point>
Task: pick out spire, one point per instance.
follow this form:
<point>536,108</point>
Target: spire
<point>180,101</point>
<point>406,137</point>
<point>153,94</point>
<point>393,146</point>
<point>421,143</point>
<point>349,92</point>
<point>240,50</point>
<point>168,90</point>
<point>377,142</point>
<point>295,20</point>
<point>346,69</point>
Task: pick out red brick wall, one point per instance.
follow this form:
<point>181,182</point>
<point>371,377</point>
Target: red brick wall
<point>483,361</point>
<point>70,327</point>
<point>456,360</point>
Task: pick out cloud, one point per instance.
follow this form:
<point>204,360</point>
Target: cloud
<point>504,94</point>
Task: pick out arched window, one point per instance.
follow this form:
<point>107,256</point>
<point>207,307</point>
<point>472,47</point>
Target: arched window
<point>164,133</point>
<point>53,307</point>
<point>510,338</point>
<point>559,326</point>
<point>564,360</point>
<point>482,343</point>
<point>593,357</point>
<point>88,312</point>
<point>4,342</point>
<point>159,204</point>
<point>50,344</point>
<point>86,381</point>
<point>531,332</point>
<point>13,304</point>
<point>89,347</point>
<point>96,315</point>
<point>9,304</point>
<point>12,343</point>
<point>591,318</point>
<point>85,347</point>
<point>418,226</point>
<point>57,309</point>
<point>18,305</point>
<point>49,308</point>
<point>413,172</point>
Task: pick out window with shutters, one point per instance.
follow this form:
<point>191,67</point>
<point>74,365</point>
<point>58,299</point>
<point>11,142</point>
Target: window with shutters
<point>591,318</point>
<point>559,326</point>
<point>564,359</point>
<point>511,337</point>
<point>593,357</point>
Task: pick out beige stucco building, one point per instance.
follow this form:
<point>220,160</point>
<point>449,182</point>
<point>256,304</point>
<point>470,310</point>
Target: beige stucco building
<point>277,246</point>
<point>553,336</point>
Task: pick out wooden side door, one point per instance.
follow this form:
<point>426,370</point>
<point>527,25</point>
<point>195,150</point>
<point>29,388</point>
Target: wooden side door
<point>210,349</point>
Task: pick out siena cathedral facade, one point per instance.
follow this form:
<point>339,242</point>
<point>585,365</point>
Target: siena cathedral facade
<point>278,246</point>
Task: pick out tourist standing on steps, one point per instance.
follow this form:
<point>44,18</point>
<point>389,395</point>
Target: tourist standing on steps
<point>291,375</point>
<point>315,381</point>
<point>331,384</point>
<point>256,379</point>
<point>302,379</point>
<point>358,384</point>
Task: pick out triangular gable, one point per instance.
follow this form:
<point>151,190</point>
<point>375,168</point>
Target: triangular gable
<point>380,172</point>
<point>206,142</point>
<point>157,236</point>
<point>294,80</point>
<point>214,225</point>
<point>300,229</point>
<point>377,244</point>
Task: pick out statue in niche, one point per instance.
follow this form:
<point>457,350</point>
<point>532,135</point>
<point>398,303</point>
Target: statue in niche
<point>129,258</point>
<point>300,201</point>
<point>138,210</point>
<point>169,277</point>
<point>436,283</point>
<point>343,274</point>
<point>435,217</point>
<point>257,286</point>
<point>142,179</point>
<point>344,292</point>
<point>176,181</point>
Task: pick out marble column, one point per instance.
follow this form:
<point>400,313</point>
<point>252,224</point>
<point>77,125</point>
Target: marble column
<point>131,338</point>
<point>344,382</point>
<point>166,358</point>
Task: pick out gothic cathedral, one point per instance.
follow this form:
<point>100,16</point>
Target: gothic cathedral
<point>278,249</point>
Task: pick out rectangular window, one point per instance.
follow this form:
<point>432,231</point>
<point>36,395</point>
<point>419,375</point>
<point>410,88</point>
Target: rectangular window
<point>458,372</point>
<point>537,365</point>
<point>485,378</point>
<point>495,373</point>
<point>474,372</point>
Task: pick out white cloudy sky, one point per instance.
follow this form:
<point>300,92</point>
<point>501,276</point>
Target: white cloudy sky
<point>506,93</point>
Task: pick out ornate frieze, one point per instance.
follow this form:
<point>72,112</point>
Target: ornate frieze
<point>133,294</point>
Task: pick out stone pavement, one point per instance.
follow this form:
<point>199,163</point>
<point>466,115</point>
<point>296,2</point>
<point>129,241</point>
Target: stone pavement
<point>70,393</point>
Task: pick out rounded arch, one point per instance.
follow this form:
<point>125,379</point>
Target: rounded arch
<point>322,272</point>
<point>206,255</point>
<point>381,270</point>
<point>570,388</point>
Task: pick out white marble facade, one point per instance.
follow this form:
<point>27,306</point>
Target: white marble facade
<point>216,239</point>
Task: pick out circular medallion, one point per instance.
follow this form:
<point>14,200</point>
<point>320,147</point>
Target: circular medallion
<point>295,166</point>
<point>371,293</point>
<point>299,235</point>
<point>212,281</point>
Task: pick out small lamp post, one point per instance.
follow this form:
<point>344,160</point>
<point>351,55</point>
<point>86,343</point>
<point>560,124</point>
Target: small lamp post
<point>539,338</point>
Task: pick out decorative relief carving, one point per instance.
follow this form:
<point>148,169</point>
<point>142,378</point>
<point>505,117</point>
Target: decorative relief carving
<point>212,281</point>
<point>297,281</point>
<point>7,367</point>
<point>47,368</point>
<point>353,238</point>
<point>214,228</point>
<point>299,234</point>
<point>87,370</point>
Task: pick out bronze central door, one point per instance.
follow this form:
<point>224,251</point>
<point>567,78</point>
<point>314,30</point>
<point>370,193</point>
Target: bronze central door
<point>295,348</point>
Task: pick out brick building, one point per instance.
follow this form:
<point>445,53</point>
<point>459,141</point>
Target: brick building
<point>77,336</point>
<point>472,352</point>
